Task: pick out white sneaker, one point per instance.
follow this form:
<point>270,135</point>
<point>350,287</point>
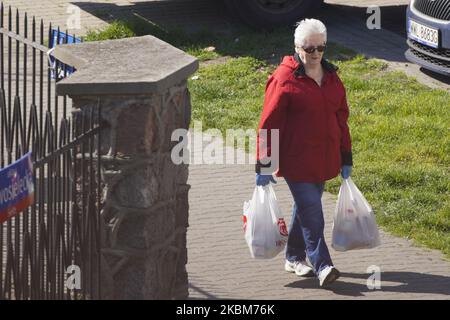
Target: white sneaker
<point>300,268</point>
<point>328,275</point>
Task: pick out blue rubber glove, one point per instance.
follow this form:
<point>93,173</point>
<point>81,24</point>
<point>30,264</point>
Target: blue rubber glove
<point>346,171</point>
<point>264,179</point>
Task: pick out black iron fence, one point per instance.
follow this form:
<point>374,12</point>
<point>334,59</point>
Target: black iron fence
<point>43,248</point>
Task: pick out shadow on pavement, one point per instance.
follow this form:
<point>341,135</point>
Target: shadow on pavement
<point>400,282</point>
<point>393,17</point>
<point>198,14</point>
<point>202,292</point>
<point>348,26</point>
<point>436,76</point>
<point>188,15</point>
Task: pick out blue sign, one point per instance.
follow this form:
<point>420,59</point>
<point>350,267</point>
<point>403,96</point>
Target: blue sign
<point>63,38</point>
<point>16,187</point>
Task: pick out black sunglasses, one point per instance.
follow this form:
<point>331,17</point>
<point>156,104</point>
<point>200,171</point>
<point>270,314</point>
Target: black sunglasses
<point>312,49</point>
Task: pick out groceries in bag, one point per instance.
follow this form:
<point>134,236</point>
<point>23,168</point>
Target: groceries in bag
<point>354,225</point>
<point>264,226</point>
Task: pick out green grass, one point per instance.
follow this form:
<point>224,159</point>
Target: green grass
<point>399,128</point>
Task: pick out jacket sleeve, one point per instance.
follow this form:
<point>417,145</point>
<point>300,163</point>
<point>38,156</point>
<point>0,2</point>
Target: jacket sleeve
<point>273,116</point>
<point>346,145</point>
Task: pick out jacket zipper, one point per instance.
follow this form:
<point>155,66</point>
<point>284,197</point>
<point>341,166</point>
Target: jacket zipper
<point>326,119</point>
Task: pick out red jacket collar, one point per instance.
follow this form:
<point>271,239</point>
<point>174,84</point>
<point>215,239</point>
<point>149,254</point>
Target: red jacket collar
<point>300,68</point>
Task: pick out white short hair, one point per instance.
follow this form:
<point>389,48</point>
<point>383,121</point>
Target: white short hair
<point>307,27</point>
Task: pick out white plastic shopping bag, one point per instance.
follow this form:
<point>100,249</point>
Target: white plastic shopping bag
<point>354,225</point>
<point>264,225</point>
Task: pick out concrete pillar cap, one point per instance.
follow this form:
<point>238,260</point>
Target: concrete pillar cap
<point>139,65</point>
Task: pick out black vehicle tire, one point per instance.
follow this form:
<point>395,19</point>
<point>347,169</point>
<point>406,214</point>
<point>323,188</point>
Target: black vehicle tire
<point>269,14</point>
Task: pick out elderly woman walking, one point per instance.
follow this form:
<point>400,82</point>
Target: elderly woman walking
<point>306,101</point>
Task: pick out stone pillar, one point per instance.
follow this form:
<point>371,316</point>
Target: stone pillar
<point>140,86</point>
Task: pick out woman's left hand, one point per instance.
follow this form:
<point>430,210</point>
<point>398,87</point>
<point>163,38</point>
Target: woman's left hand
<point>346,171</point>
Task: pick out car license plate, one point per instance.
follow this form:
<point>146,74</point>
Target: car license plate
<point>423,34</point>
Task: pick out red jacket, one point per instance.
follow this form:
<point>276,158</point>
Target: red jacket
<point>312,121</point>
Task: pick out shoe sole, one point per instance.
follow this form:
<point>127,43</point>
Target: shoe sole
<point>290,270</point>
<point>309,273</point>
<point>331,277</point>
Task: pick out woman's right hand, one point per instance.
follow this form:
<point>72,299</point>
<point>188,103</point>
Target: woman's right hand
<point>264,179</point>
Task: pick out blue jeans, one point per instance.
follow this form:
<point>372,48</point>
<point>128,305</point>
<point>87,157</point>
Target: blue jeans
<point>307,225</point>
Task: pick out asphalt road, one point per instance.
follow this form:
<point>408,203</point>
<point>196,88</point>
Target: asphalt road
<point>393,12</point>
